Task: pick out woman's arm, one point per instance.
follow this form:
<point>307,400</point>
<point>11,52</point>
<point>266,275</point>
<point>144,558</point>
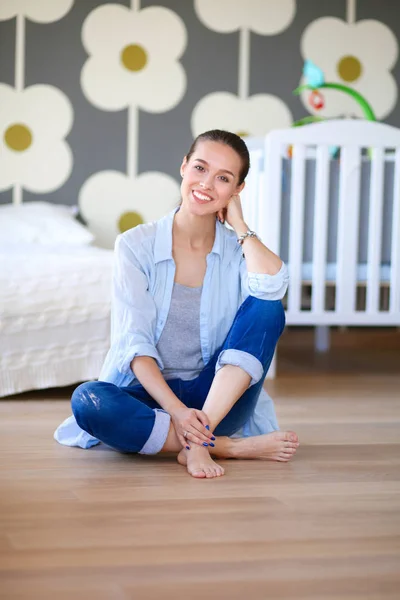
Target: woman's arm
<point>133,310</point>
<point>259,259</point>
<point>149,375</point>
<point>262,273</point>
<point>190,424</point>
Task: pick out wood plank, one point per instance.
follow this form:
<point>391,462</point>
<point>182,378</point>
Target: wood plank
<point>75,523</point>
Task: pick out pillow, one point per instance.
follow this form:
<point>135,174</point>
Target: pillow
<point>42,223</point>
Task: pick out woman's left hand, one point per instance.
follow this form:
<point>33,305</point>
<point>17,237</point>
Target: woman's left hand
<point>233,213</point>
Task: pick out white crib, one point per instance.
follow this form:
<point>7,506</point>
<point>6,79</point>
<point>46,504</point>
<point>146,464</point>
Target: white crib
<point>368,169</point>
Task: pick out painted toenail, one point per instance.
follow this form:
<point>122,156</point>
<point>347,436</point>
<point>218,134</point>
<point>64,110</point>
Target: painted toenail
<point>211,444</point>
<point>187,447</point>
<point>213,438</point>
<point>207,427</point>
<point>204,444</point>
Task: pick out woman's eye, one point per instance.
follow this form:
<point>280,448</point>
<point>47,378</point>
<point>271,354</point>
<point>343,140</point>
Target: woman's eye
<point>199,167</point>
<point>224,179</point>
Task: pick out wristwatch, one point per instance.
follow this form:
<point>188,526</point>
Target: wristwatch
<point>246,235</point>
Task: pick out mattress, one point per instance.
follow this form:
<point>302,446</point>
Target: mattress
<point>54,315</point>
<point>331,273</point>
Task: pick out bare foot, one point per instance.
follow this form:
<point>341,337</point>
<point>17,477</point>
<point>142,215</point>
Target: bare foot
<point>199,463</point>
<point>279,445</point>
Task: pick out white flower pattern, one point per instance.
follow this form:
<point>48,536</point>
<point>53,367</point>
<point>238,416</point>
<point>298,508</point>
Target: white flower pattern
<point>133,58</point>
<point>111,202</point>
<point>33,125</point>
<point>41,11</point>
<point>252,116</point>
<point>345,54</point>
<point>265,17</point>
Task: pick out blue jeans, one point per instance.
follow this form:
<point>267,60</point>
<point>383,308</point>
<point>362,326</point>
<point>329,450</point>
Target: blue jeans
<point>129,420</point>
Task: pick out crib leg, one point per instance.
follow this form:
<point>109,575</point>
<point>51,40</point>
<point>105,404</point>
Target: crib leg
<point>322,338</point>
<point>272,368</point>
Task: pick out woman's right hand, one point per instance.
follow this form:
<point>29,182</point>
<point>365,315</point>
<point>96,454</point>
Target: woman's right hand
<point>191,425</point>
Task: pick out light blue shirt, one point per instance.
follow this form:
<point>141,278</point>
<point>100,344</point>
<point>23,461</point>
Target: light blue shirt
<point>144,273</point>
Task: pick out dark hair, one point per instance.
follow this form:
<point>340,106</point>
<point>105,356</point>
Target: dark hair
<point>230,139</point>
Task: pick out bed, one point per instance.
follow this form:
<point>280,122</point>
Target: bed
<point>54,307</point>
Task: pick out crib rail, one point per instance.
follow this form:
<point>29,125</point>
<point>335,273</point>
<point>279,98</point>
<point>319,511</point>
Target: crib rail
<point>359,142</point>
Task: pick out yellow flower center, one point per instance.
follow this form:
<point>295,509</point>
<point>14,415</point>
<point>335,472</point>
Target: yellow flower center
<point>129,220</point>
<point>18,137</point>
<point>349,68</point>
<point>242,133</point>
<point>134,57</point>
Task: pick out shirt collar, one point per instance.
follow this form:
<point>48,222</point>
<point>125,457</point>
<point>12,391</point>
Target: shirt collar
<point>163,238</point>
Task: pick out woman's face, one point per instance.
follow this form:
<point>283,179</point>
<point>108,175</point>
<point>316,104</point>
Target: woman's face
<point>210,178</point>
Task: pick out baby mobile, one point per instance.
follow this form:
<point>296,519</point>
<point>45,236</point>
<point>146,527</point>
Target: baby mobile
<point>315,81</point>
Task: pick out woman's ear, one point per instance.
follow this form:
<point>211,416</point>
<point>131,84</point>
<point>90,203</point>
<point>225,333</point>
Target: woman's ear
<point>240,187</point>
<point>183,166</point>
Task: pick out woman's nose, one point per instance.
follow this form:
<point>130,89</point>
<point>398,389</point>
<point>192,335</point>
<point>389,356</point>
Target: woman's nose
<point>206,183</point>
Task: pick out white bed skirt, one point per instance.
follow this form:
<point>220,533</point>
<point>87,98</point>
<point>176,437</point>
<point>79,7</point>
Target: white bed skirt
<point>54,316</point>
<point>53,374</point>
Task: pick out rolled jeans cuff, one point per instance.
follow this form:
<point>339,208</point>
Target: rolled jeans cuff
<point>159,433</point>
<point>244,360</point>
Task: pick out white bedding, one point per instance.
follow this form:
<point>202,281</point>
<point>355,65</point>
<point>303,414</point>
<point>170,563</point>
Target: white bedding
<point>54,315</point>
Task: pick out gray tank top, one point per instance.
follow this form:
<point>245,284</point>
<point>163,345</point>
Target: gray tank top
<point>179,345</point>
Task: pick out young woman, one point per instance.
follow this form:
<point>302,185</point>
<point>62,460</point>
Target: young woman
<point>196,315</point>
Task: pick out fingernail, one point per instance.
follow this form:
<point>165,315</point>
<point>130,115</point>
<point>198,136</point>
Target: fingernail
<point>207,427</point>
<point>204,444</point>
<point>187,447</point>
<point>211,444</point>
<point>213,438</point>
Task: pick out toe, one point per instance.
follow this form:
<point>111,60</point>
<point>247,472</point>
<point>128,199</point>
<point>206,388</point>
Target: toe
<point>199,473</point>
<point>209,472</point>
<point>290,451</point>
<point>287,455</point>
<point>292,436</point>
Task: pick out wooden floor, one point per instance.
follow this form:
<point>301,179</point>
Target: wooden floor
<point>95,524</point>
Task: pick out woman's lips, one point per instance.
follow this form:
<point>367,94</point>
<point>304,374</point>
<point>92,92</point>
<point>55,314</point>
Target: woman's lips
<point>200,197</point>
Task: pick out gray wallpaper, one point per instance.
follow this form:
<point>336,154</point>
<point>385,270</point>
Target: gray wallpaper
<point>55,55</point>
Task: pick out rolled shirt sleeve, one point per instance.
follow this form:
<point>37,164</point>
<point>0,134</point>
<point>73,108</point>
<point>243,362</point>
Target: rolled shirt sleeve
<point>264,286</point>
<point>133,313</point>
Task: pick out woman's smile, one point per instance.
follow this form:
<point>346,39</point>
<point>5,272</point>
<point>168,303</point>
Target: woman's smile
<point>201,197</point>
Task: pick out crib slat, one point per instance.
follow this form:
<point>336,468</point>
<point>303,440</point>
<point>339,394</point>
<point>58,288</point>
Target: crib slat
<point>254,172</point>
<point>252,184</point>
<point>246,198</point>
<point>347,242</point>
<point>375,230</point>
<point>394,305</point>
<point>296,229</point>
<point>320,229</point>
<point>269,208</point>
<point>260,207</point>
